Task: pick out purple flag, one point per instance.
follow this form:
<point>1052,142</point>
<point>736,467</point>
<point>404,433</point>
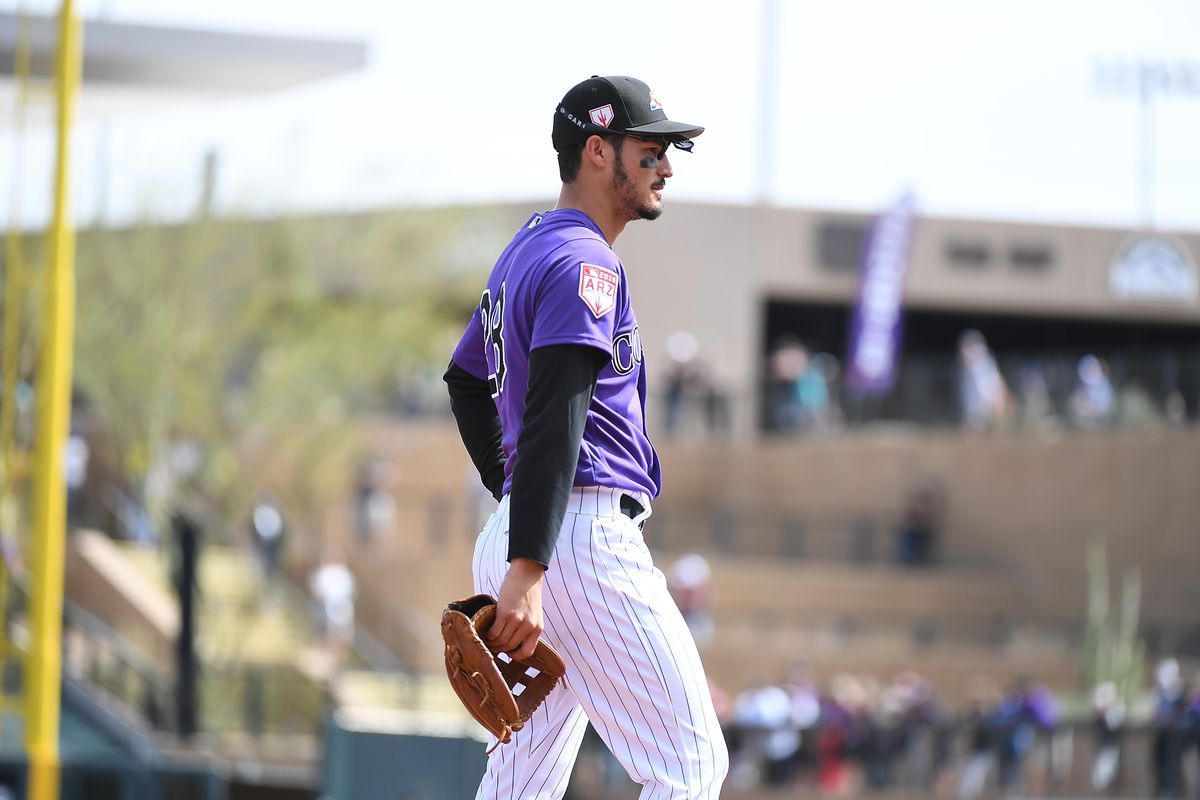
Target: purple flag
<point>878,319</point>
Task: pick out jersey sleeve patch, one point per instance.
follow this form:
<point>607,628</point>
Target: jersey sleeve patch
<point>598,288</point>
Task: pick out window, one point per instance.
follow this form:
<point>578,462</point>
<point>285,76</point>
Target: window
<point>1030,257</point>
<point>968,254</point>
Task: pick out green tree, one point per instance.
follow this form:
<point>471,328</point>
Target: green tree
<point>242,335</point>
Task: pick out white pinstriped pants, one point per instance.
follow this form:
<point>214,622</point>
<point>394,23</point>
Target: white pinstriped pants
<point>632,665</point>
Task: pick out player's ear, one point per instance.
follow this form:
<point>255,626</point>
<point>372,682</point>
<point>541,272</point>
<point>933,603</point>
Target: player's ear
<point>596,151</point>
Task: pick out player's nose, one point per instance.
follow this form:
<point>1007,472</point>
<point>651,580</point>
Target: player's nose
<point>664,167</point>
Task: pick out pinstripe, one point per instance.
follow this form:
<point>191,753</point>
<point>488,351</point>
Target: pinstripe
<point>563,735</point>
<point>601,570</point>
<point>630,623</point>
<point>661,611</point>
<point>569,655</point>
<point>534,767</point>
<point>560,788</point>
<point>589,660</point>
<point>679,648</point>
<point>698,697</point>
<point>597,714</point>
<point>653,657</point>
<point>595,655</point>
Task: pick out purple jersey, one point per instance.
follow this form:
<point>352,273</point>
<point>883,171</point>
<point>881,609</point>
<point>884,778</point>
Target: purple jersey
<point>559,282</point>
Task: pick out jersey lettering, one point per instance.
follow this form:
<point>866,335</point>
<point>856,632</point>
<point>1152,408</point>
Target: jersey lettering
<point>493,337</point>
<point>627,351</point>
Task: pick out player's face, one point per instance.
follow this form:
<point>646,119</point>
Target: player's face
<point>640,173</point>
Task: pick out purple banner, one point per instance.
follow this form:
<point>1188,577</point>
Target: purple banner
<point>878,322</point>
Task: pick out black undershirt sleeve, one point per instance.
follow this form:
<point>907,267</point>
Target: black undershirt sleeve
<point>478,425</point>
<point>562,381</point>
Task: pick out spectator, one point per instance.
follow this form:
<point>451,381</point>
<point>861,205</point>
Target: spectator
<point>767,739</point>
<point>1175,409</point>
<point>1170,729</point>
<point>1035,408</point>
<point>1192,718</point>
<point>690,583</point>
<point>694,403</point>
<point>1027,716</point>
<point>921,524</point>
<point>1092,403</point>
<point>267,531</point>
<point>787,363</point>
<point>374,505</point>
<point>1135,408</point>
<point>980,725</point>
<point>333,589</point>
<point>686,384</point>
<point>983,394</point>
<point>76,456</point>
<point>921,753</point>
<point>844,728</point>
<point>1108,718</point>
<point>798,387</point>
<point>805,697</point>
<point>885,742</point>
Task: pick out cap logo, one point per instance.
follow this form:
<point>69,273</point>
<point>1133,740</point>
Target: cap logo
<point>654,104</point>
<point>602,116</point>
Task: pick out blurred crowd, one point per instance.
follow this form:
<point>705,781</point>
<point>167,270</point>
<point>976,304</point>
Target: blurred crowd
<point>987,401</point>
<point>854,735</point>
<point>803,393</point>
<point>694,401</point>
<point>800,394</point>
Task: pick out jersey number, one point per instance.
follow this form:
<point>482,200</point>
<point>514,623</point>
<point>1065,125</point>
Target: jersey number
<point>493,328</point>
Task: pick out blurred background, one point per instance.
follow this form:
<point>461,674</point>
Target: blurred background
<point>922,326</point>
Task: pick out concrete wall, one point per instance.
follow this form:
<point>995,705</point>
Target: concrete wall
<point>1025,504</point>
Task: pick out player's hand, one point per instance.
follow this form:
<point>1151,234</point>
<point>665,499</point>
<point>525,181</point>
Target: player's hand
<point>519,609</point>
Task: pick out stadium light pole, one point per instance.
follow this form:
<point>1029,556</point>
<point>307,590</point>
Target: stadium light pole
<point>1148,80</point>
<point>53,396</point>
<point>768,98</point>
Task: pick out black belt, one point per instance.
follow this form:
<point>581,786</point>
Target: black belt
<point>630,507</point>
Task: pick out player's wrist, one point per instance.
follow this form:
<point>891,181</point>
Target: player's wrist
<point>527,567</point>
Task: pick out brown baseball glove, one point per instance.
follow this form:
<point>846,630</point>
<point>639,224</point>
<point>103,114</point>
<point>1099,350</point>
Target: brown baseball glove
<point>500,692</point>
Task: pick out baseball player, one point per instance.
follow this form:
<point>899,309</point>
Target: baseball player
<point>548,387</point>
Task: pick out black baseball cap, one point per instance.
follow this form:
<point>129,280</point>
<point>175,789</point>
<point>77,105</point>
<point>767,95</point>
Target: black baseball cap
<point>616,104</point>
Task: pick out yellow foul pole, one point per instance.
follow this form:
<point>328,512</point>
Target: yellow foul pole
<point>53,419</point>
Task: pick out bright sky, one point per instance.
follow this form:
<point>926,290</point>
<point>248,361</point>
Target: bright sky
<point>981,109</point>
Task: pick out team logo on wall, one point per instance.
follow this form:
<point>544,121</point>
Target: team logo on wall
<point>602,116</point>
<point>598,288</point>
<point>1154,268</point>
